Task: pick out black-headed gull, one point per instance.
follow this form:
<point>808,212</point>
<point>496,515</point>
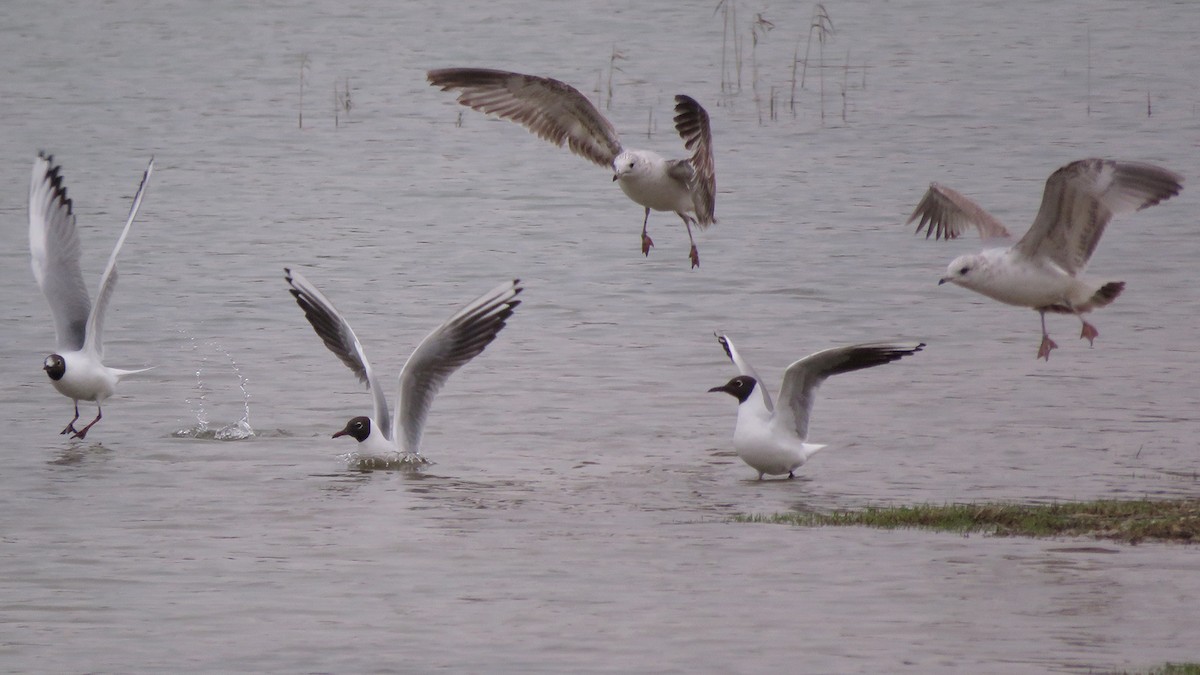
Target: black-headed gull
<point>76,370</point>
<point>1044,270</point>
<point>774,440</point>
<point>459,339</point>
<point>559,113</point>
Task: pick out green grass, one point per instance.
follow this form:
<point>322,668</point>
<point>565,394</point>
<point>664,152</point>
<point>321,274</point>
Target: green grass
<point>1124,521</point>
<point>1177,669</point>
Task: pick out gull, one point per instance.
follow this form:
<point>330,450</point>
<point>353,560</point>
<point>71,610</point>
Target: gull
<point>76,370</point>
<point>774,440</point>
<point>559,113</point>
<point>459,339</point>
<point>1044,270</point>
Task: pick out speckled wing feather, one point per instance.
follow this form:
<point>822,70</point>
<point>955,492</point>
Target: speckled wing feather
<point>946,214</point>
<point>1082,197</point>
<point>691,121</point>
<point>801,379</point>
<point>551,109</point>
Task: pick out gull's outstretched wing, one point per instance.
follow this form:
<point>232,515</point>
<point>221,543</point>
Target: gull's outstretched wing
<point>551,109</point>
<point>461,338</point>
<point>691,121</point>
<point>339,337</point>
<point>1082,197</point>
<point>946,214</point>
<point>801,379</point>
<point>744,368</point>
<point>54,253</point>
<point>94,341</point>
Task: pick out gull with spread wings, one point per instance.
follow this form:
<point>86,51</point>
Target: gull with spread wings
<point>449,347</point>
<point>774,441</point>
<point>559,113</point>
<point>77,369</point>
<point>1045,269</point>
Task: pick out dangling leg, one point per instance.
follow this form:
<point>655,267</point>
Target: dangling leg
<point>647,242</point>
<point>1089,331</point>
<point>70,428</point>
<point>791,475</point>
<point>83,432</point>
<point>694,254</point>
<point>1047,343</point>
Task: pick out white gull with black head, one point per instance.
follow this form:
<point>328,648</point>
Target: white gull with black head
<point>450,346</point>
<point>77,369</point>
<point>774,441</point>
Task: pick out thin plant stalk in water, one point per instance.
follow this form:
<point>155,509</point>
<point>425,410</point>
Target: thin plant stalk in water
<point>303,68</point>
<point>616,55</point>
<point>823,25</point>
<point>759,27</point>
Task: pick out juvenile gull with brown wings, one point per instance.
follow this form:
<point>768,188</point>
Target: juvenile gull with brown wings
<point>559,113</point>
<point>1044,270</point>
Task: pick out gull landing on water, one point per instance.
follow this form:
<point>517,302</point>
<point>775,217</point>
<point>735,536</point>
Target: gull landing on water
<point>559,113</point>
<point>1044,270</point>
<point>774,440</point>
<point>77,370</point>
<point>459,339</point>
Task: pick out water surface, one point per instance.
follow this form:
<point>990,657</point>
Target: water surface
<point>576,514</point>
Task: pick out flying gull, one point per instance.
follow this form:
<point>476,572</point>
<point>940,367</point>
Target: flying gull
<point>1044,270</point>
<point>559,113</point>
<point>76,370</point>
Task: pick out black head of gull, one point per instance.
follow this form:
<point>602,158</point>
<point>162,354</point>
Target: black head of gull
<point>739,387</point>
<point>55,366</point>
<point>359,428</point>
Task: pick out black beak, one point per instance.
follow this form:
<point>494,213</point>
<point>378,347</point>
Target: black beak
<point>941,281</point>
<point>614,177</point>
<point>720,388</point>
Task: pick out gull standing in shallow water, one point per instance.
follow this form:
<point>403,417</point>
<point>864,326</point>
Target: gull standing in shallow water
<point>77,370</point>
<point>559,113</point>
<point>459,339</point>
<point>774,440</point>
<point>1044,270</point>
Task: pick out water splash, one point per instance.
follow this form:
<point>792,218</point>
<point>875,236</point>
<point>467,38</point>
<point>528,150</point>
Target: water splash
<point>199,403</point>
<point>399,461</point>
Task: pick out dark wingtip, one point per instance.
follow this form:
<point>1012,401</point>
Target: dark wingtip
<point>685,100</point>
<point>724,345</point>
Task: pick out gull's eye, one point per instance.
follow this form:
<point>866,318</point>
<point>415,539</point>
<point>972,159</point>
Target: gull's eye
<point>964,270</point>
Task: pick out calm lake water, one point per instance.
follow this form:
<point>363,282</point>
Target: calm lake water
<point>577,514</point>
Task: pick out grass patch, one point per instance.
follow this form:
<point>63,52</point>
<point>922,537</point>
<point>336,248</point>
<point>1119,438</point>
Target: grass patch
<point>1177,669</point>
<point>1125,521</point>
